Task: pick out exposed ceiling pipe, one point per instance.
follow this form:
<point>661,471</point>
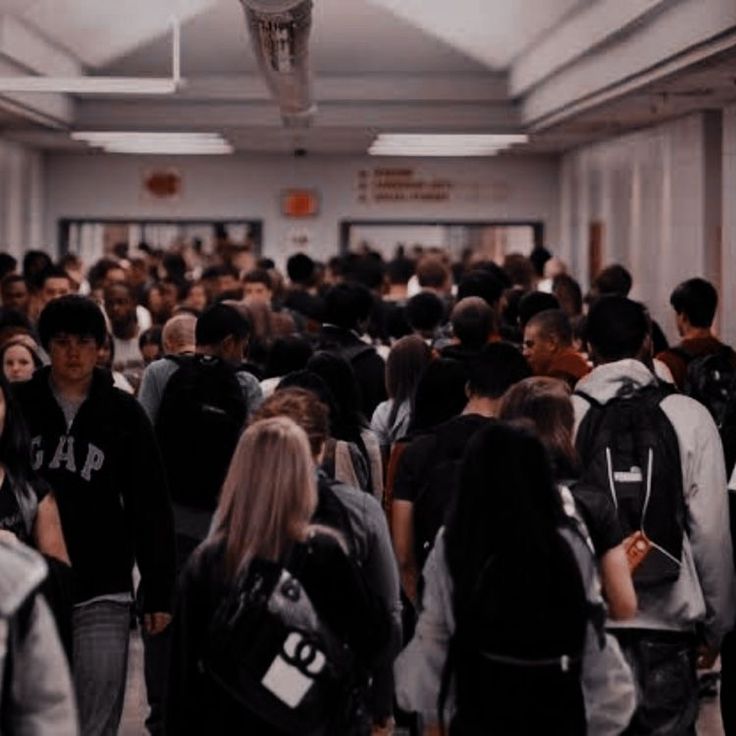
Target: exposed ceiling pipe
<point>280,33</point>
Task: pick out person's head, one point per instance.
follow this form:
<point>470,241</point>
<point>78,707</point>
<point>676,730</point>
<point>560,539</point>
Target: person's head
<point>316,385</point>
<point>301,270</point>
<point>287,354</point>
<point>520,271</point>
<point>546,403</point>
<point>440,394</point>
<point>425,312</point>
<point>406,361</point>
<point>222,331</point>
<point>15,293</point>
<point>569,294</point>
<point>482,283</point>
<point>15,453</point>
<point>497,367</point>
<point>473,322</point>
<point>507,508</point>
<point>196,297</point>
<point>617,328</point>
<point>177,336</point>
<point>545,335</point>
<point>228,281</point>
<point>258,286</point>
<point>695,302</point>
<point>18,359</point>
<point>348,305</point>
<point>8,264</point>
<point>305,409</point>
<point>434,275</point>
<point>339,376</point>
<point>150,344</point>
<point>35,262</point>
<point>106,353</point>
<point>121,309</point>
<point>533,303</point>
<point>114,273</point>
<point>613,280</point>
<point>55,282</point>
<point>269,494</point>
<point>72,329</point>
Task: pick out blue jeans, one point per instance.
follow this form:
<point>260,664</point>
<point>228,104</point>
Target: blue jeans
<point>663,665</point>
<point>100,663</point>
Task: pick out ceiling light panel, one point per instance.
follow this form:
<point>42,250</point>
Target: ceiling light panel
<point>419,144</point>
<point>155,142</point>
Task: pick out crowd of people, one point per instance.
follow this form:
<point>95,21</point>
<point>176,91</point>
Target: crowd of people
<point>449,496</point>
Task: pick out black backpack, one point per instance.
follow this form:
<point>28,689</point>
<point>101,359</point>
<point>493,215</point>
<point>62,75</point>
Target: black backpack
<point>435,497</point>
<point>711,380</point>
<point>629,448</point>
<point>268,650</point>
<point>202,413</point>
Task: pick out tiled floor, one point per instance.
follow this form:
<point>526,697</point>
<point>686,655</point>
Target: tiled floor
<point>709,723</point>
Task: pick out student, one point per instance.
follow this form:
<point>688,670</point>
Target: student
<point>473,326</point>
<point>18,359</point>
<point>686,602</point>
<point>546,403</point>
<point>96,449</point>
<point>507,640</point>
<point>262,521</point>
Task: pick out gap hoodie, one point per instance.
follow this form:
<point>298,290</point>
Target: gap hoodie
<point>109,482</point>
<point>704,596</point>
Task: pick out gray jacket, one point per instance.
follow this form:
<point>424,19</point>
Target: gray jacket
<point>38,700</point>
<point>705,592</point>
<point>607,683</point>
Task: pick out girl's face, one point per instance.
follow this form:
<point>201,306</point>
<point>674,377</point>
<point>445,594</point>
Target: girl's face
<point>17,364</point>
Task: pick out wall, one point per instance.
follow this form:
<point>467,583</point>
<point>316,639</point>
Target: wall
<point>650,191</point>
<point>728,260</point>
<point>21,199</point>
<point>98,186</point>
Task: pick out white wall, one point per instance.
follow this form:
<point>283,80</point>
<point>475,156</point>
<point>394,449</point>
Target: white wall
<point>650,191</point>
<point>99,186</point>
<point>21,199</point>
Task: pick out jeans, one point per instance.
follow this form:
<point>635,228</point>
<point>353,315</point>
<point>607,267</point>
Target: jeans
<point>101,635</point>
<point>663,665</point>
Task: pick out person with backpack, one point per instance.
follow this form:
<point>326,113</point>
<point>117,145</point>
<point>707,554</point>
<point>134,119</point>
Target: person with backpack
<point>659,457</point>
<point>94,445</point>
<point>509,638</point>
<point>426,474</point>
<point>361,522</point>
<point>701,365</point>
<point>274,628</point>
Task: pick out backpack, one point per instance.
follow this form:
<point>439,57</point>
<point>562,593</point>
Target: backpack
<point>269,651</point>
<point>198,425</point>
<point>711,380</point>
<point>629,447</point>
<point>331,512</point>
<point>435,496</point>
<point>515,658</point>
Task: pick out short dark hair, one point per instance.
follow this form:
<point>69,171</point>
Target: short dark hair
<point>218,322</point>
<point>347,304</point>
<point>151,336</point>
<point>613,279</point>
<point>616,327</point>
<point>533,303</point>
<point>425,311</point>
<point>553,322</point>
<point>439,395</point>
<point>568,293</point>
<point>8,264</point>
<point>300,268</point>
<point>259,276</point>
<point>697,299</point>
<point>11,278</point>
<point>472,322</point>
<point>53,272</point>
<point>74,315</point>
<point>482,283</point>
<point>497,367</point>
<point>432,273</point>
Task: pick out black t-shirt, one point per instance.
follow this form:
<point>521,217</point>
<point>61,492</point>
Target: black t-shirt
<point>600,516</point>
<point>11,516</point>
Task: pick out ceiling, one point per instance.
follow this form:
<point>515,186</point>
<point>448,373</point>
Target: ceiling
<point>379,65</point>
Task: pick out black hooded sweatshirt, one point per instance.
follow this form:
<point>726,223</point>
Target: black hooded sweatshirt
<point>110,486</point>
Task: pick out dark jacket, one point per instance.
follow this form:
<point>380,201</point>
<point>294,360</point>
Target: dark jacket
<point>195,705</point>
<point>110,486</point>
<point>370,370</point>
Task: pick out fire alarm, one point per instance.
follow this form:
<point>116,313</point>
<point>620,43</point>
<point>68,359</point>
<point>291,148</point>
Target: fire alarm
<point>163,183</point>
<point>299,203</point>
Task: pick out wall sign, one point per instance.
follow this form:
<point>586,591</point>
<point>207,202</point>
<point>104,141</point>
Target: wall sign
<point>162,184</point>
<point>296,203</point>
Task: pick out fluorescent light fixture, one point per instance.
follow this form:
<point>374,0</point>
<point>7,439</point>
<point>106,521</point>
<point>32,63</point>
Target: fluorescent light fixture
<point>451,144</point>
<point>155,142</point>
<point>91,85</point>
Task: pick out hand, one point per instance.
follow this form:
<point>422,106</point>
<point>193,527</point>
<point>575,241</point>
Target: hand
<point>155,623</point>
<point>706,657</point>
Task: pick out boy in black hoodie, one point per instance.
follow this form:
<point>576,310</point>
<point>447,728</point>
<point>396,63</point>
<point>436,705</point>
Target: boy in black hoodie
<point>96,448</point>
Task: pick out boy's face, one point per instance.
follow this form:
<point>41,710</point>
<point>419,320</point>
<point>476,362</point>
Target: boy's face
<point>73,357</point>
